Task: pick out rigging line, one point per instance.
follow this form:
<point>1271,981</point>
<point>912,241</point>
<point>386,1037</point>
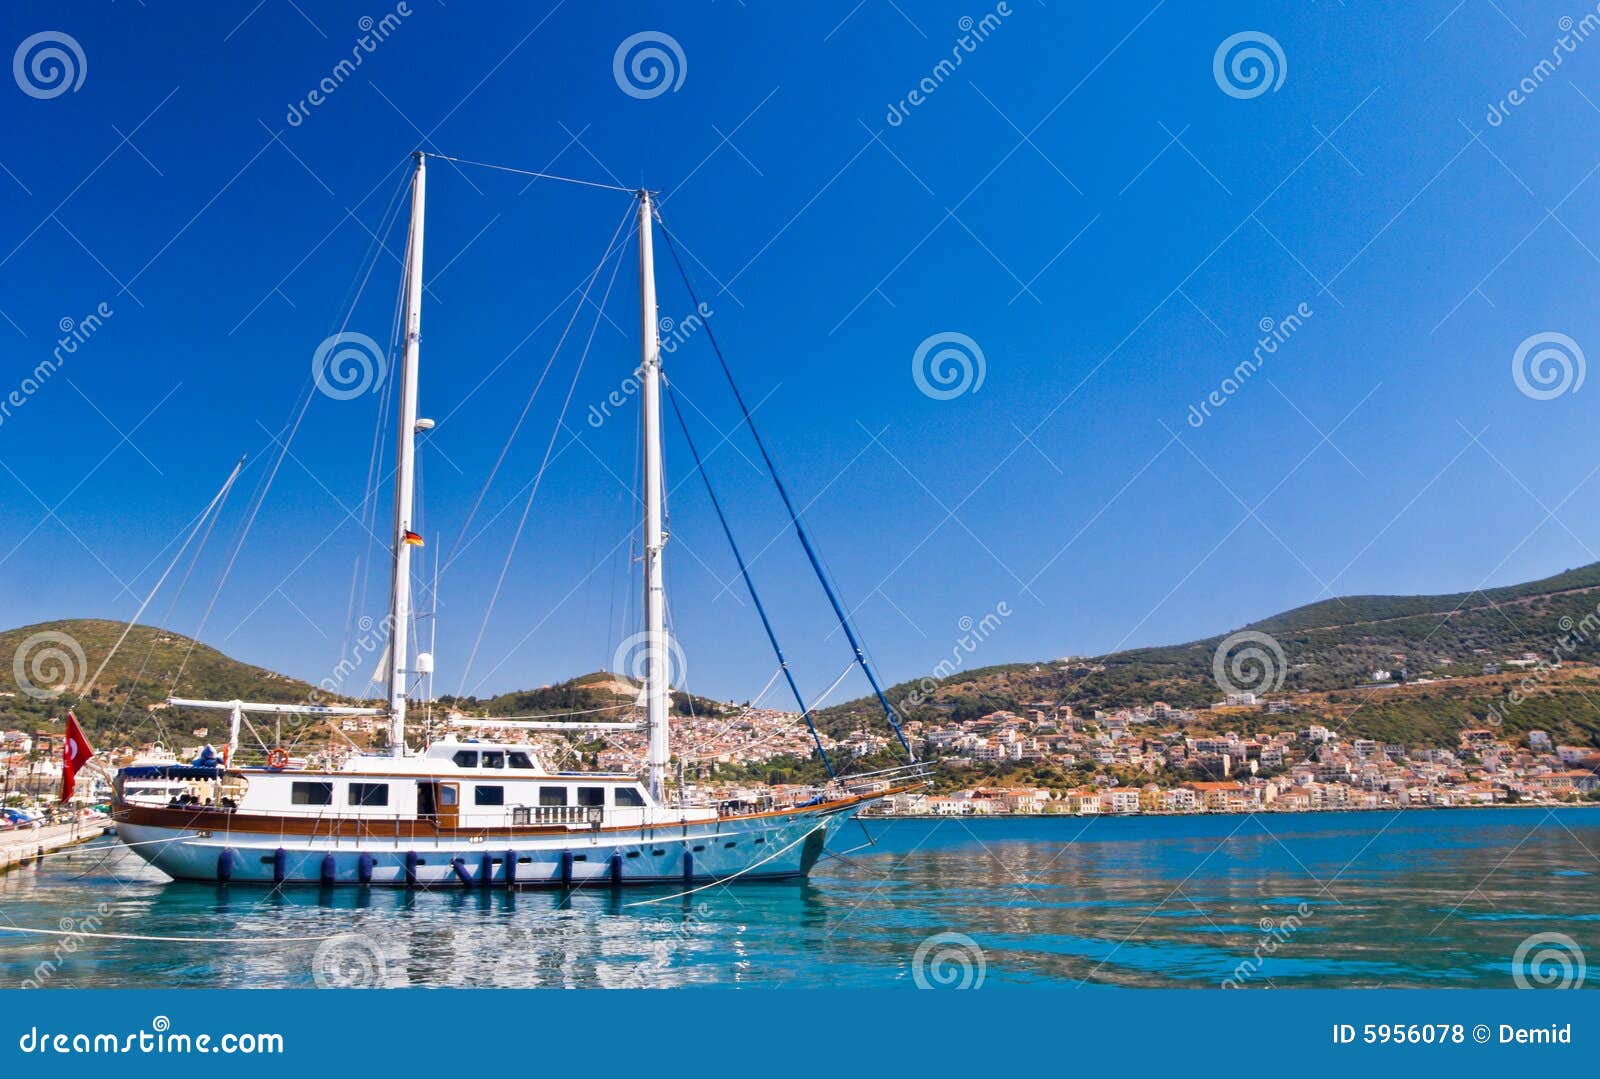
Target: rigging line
<point>555,433</point>
<point>361,571</point>
<point>272,473</point>
<point>216,503</point>
<point>842,676</point>
<point>594,275</point>
<point>530,172</point>
<point>744,571</point>
<point>794,516</point>
<point>166,619</point>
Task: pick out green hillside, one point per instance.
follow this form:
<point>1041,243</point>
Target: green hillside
<point>1330,648</point>
<point>1329,645</point>
<point>116,708</point>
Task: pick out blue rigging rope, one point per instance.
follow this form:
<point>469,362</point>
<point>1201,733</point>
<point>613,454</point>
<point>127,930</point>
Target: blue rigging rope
<point>744,571</point>
<point>794,516</point>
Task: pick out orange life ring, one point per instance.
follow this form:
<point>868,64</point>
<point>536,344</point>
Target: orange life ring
<point>278,759</point>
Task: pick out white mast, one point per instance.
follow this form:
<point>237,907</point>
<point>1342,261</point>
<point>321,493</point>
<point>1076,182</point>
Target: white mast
<point>655,597</point>
<point>405,476</point>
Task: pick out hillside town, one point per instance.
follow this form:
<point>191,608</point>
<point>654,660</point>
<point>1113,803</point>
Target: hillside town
<point>1155,759</point>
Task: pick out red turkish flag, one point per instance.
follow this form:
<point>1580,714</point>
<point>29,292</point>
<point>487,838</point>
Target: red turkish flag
<point>75,753</point>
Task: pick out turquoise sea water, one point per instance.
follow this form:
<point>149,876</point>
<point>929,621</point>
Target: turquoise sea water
<point>1441,898</point>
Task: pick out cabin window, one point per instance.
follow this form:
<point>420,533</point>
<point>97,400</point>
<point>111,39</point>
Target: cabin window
<point>591,796</point>
<point>552,796</point>
<point>489,796</point>
<point>312,794</point>
<point>494,760</point>
<point>519,760</point>
<point>447,794</point>
<point>369,794</point>
<point>466,758</point>
<point>627,796</point>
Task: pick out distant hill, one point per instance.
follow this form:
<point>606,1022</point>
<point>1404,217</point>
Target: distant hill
<point>1331,645</point>
<point>115,708</point>
<point>123,705</point>
<point>1330,649</point>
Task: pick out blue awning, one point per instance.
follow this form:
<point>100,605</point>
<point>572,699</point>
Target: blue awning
<point>171,771</point>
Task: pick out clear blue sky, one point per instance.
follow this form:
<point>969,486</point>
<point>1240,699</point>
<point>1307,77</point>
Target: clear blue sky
<point>1080,197</point>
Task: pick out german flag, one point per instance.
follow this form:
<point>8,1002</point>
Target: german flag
<point>411,539</point>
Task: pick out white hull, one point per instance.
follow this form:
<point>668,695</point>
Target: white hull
<point>754,848</point>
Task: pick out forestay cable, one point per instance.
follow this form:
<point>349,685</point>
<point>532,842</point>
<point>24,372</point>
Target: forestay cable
<point>744,571</point>
<point>794,515</point>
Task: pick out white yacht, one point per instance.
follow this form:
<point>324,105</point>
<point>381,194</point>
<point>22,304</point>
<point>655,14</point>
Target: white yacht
<point>478,813</point>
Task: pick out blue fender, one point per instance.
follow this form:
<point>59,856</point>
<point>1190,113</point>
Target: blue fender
<point>280,862</point>
<point>511,869</point>
<point>225,865</point>
<point>330,869</point>
<point>458,866</point>
<point>411,868</point>
<point>566,869</point>
<point>616,867</point>
<point>364,868</point>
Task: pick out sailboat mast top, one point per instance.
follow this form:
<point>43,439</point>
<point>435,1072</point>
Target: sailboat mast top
<point>656,644</point>
<point>405,470</point>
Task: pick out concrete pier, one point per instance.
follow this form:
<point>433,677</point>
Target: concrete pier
<point>21,846</point>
